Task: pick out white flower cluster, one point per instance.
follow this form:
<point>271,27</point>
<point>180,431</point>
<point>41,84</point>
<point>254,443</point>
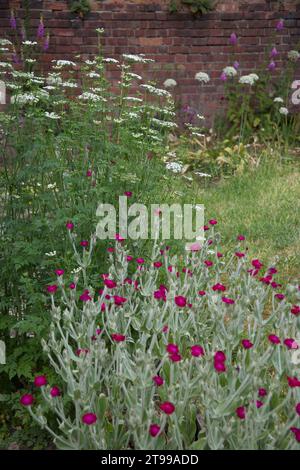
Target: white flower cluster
<point>170,83</point>
<point>174,166</point>
<point>133,98</point>
<point>29,43</point>
<point>5,42</point>
<point>278,100</point>
<point>167,124</point>
<point>202,77</point>
<point>293,56</point>
<point>156,91</point>
<point>139,58</point>
<point>54,117</point>
<point>54,79</point>
<point>25,98</point>
<point>249,79</point>
<point>110,60</point>
<point>284,111</point>
<point>87,96</point>
<point>64,63</point>
<point>5,65</point>
<point>134,76</point>
<point>230,71</point>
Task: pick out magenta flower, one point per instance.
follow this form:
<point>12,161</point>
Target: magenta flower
<point>110,283</point>
<point>59,272</point>
<point>119,300</point>
<point>223,77</point>
<point>219,366</point>
<point>118,338</point>
<point>205,228</point>
<point>290,343</point>
<point>220,356</point>
<point>172,348</point>
<point>274,339</point>
<point>84,243</point>
<point>227,300</point>
<point>293,382</point>
<point>89,173</point>
<point>52,289</point>
<point>213,222</point>
<point>128,193</point>
<point>158,380</point>
<point>208,263</point>
<point>295,310</point>
<point>296,432</point>
<point>157,264</point>
<point>262,392</point>
<point>258,403</point>
<point>55,392</point>
<point>89,418</point>
<point>247,344</point>
<point>241,238</point>
<point>297,408</point>
<point>274,52</point>
<point>256,264</point>
<point>85,297</point>
<point>233,39</point>
<point>280,296</point>
<point>167,407</point>
<point>219,287</point>
<point>280,25</point>
<point>154,430</point>
<point>72,285</point>
<point>241,412</point>
<point>69,225</point>
<point>236,65</point>
<point>202,293</point>
<point>197,350</point>
<point>175,357</point>
<point>40,381</point>
<point>27,399</point>
<point>165,329</point>
<point>129,258</point>
<point>239,254</point>
<point>180,301</point>
<point>140,261</point>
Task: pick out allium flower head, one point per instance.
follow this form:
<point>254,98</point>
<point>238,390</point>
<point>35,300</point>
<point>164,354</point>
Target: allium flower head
<point>233,39</point>
<point>272,66</point>
<point>280,25</point>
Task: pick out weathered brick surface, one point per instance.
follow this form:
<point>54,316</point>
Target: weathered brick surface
<point>180,43</point>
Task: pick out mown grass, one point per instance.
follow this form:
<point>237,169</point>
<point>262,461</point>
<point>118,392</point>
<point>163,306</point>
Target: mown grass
<point>263,205</point>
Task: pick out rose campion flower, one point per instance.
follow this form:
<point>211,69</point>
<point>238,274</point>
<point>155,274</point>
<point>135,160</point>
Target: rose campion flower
<point>167,407</point>
<point>262,392</point>
<point>227,300</point>
<point>89,173</point>
<point>295,310</point>
<point>296,432</point>
<point>293,382</point>
<point>72,286</point>
<point>158,380</point>
<point>219,366</point>
<point>219,287</point>
<point>154,430</point>
<point>297,408</point>
<point>118,338</point>
<point>172,348</point>
<point>233,39</point>
<point>59,272</point>
<point>241,238</point>
<point>247,344</point>
<point>175,357</point>
<point>140,261</point>
<point>208,263</point>
<point>27,399</point>
<point>256,264</point>
<point>180,301</point>
<point>290,343</point>
<point>119,300</point>
<point>157,264</point>
<point>128,193</point>
<point>52,289</point>
<point>205,228</point>
<point>89,418</point>
<point>201,293</point>
<point>239,254</point>
<point>241,412</point>
<point>274,339</point>
<point>280,296</point>
<point>84,243</point>
<point>69,225</point>
<point>129,258</point>
<point>110,284</point>
<point>220,356</point>
<point>213,222</point>
<point>258,403</point>
<point>197,350</point>
<point>55,392</point>
<point>85,297</point>
<point>40,381</point>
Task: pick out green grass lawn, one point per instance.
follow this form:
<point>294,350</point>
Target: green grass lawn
<point>263,205</point>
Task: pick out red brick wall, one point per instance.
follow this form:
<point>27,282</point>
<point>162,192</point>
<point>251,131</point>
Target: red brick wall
<point>180,43</point>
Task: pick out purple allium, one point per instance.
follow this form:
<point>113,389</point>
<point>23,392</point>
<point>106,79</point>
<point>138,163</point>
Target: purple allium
<point>233,39</point>
<point>280,25</point>
<point>272,66</point>
<point>274,52</point>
